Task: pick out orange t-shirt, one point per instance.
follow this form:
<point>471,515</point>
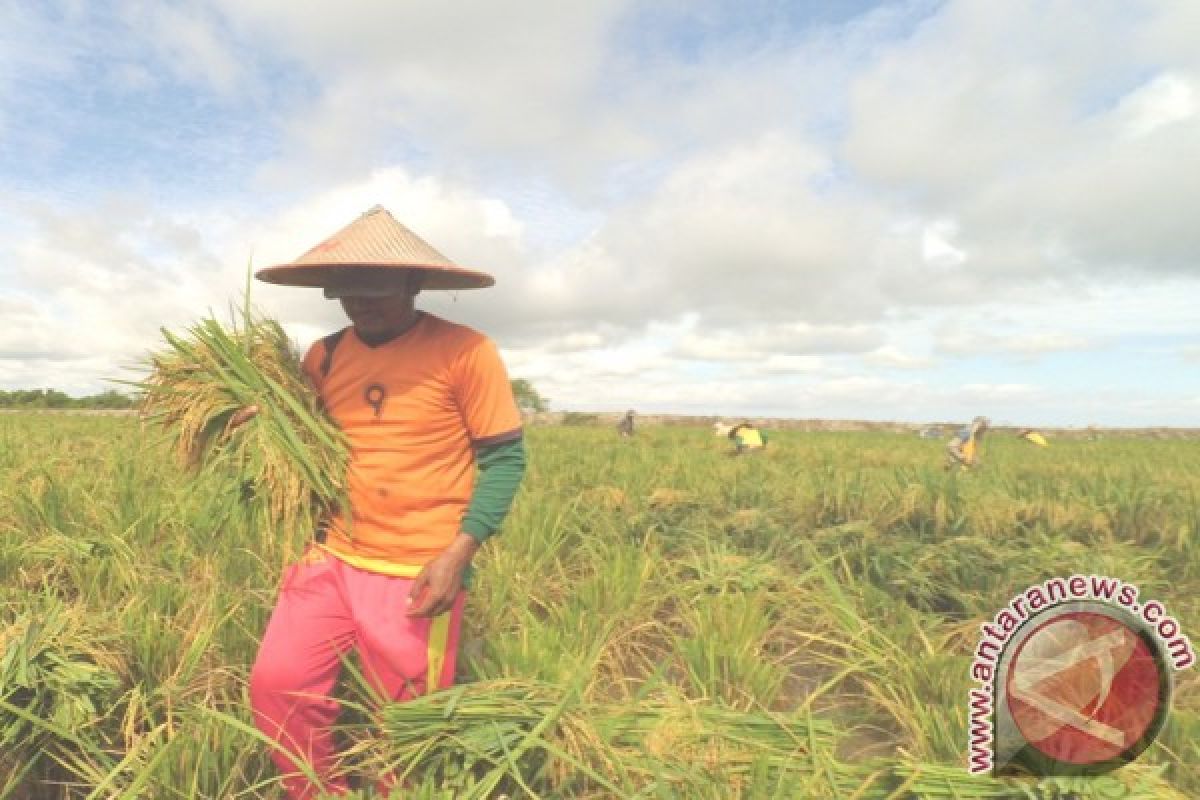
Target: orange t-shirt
<point>413,409</point>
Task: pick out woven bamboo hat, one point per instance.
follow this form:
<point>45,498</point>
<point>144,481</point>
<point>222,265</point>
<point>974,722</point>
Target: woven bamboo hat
<point>373,251</point>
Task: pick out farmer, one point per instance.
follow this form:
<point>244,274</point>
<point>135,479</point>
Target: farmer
<point>747,439</point>
<point>436,458</point>
<point>1033,437</point>
<point>963,448</point>
<point>625,426</point>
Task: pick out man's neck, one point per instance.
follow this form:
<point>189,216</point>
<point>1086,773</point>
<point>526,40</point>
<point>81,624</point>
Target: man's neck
<point>383,337</point>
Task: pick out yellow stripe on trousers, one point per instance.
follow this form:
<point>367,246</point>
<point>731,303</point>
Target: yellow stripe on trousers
<point>439,634</point>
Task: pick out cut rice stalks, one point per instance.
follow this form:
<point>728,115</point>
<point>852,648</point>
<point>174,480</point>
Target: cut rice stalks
<point>508,734</point>
<point>283,469</point>
<point>533,739</point>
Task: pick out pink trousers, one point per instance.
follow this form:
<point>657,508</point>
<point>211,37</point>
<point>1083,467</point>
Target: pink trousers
<point>326,607</point>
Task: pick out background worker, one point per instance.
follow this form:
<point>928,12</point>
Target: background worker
<point>1033,437</point>
<point>747,438</point>
<point>436,458</point>
<point>963,448</point>
<point>625,426</point>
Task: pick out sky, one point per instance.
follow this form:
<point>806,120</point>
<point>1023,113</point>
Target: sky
<point>916,211</point>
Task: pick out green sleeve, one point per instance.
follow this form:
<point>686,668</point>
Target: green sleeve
<point>501,467</point>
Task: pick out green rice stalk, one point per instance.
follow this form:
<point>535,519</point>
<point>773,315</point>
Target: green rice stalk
<point>283,469</point>
<point>482,725</point>
<point>58,675</point>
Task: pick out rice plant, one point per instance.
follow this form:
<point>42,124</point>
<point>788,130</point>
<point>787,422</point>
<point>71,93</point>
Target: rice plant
<point>284,467</point>
<point>795,626</point>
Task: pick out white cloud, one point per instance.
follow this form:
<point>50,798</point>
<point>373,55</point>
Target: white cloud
<point>24,57</point>
<point>780,218</point>
<point>893,358</point>
<point>788,365</point>
<point>28,334</point>
<point>744,236</point>
<point>760,342</point>
<point>94,288</point>
<point>747,234</point>
<point>519,76</point>
<point>571,342</point>
<point>189,43</point>
<point>957,341</point>
<point>936,247</point>
<point>990,116</point>
<point>120,270</point>
<point>1166,99</point>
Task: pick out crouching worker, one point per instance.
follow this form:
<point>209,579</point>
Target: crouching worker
<point>747,439</point>
<point>1033,437</point>
<point>436,458</point>
<point>963,448</point>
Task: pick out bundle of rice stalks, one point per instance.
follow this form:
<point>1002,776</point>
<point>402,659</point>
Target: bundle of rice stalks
<point>477,737</point>
<point>530,735</point>
<point>527,738</point>
<point>285,466</point>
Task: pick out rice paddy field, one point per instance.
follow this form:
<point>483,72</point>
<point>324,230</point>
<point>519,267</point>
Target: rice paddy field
<point>657,619</point>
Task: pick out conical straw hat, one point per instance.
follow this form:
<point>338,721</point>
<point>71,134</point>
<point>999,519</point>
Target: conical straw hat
<point>374,249</point>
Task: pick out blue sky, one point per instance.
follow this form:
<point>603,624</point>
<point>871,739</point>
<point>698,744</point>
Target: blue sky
<point>916,211</point>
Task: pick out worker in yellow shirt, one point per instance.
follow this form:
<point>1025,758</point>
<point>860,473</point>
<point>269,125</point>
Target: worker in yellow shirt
<point>747,439</point>
<point>963,449</point>
<point>1033,437</point>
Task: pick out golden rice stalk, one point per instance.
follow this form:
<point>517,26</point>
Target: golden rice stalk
<point>284,468</point>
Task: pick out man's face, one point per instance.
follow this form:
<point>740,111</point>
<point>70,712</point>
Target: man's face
<point>377,317</point>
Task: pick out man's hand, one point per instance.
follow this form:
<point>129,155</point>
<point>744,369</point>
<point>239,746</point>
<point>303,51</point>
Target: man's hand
<point>437,585</point>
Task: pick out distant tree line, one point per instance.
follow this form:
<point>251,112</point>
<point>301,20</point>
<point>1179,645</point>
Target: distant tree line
<point>53,398</point>
<point>527,398</point>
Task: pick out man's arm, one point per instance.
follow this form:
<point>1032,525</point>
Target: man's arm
<point>501,467</point>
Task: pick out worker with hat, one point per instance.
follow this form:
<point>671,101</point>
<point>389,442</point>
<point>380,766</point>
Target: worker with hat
<point>436,458</point>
